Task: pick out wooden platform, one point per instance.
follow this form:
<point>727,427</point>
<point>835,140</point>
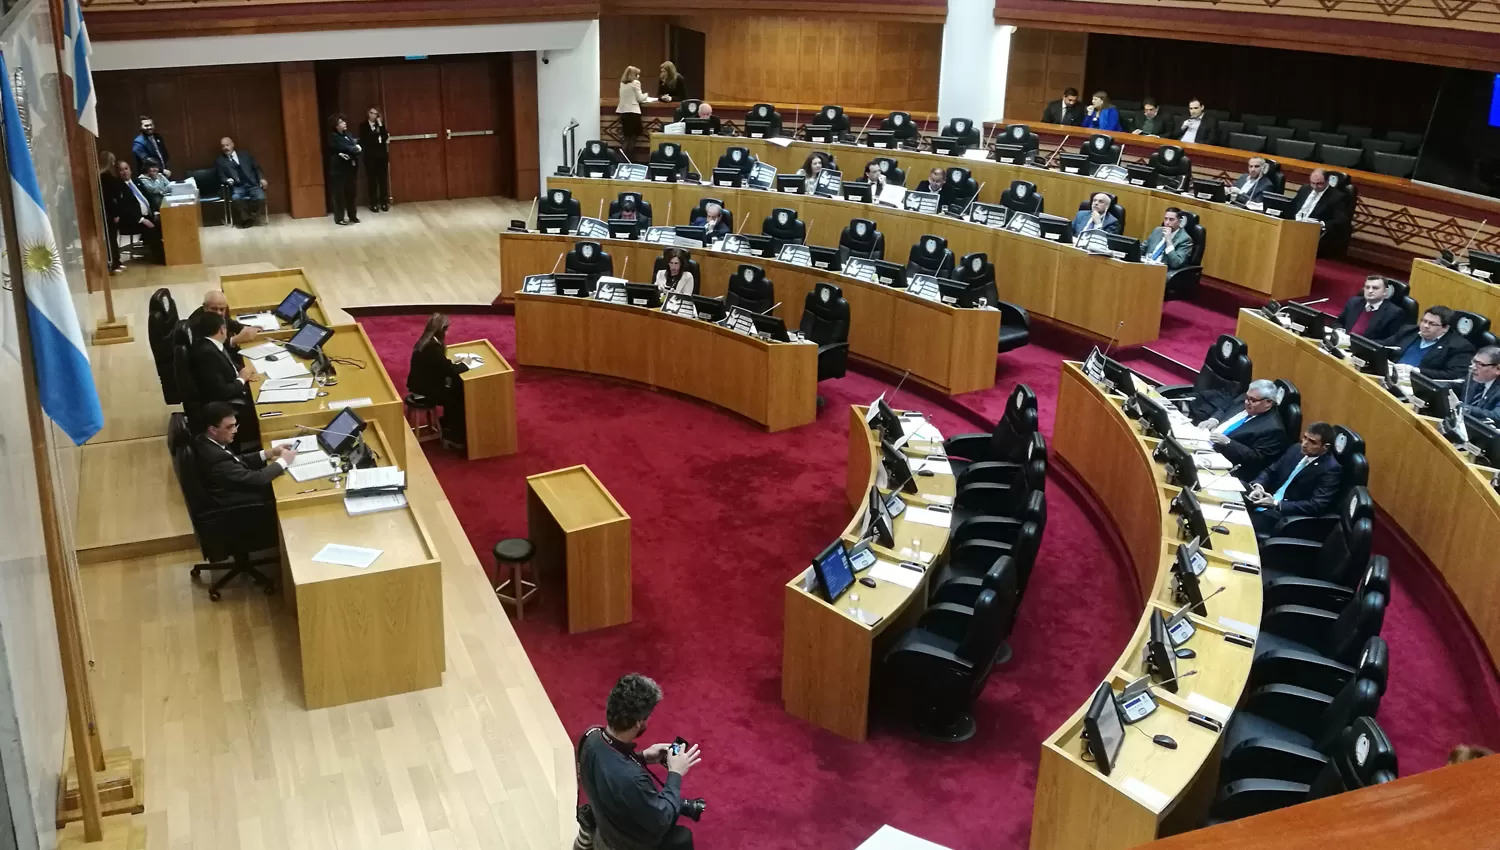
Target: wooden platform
<point>129,503</point>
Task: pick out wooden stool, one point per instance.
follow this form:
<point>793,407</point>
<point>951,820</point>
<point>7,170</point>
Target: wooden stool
<point>421,413</point>
<point>515,553</point>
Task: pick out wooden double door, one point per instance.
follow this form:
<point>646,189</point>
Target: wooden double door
<point>444,116</point>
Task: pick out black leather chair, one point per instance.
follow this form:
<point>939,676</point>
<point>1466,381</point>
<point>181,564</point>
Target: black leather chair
<point>963,575</point>
<point>784,228</point>
<point>959,189</point>
<point>193,401</point>
<point>968,471</point>
<point>1173,167</point>
<point>964,130</point>
<point>642,207</point>
<point>1393,164</point>
<point>1289,407</point>
<point>1020,135</point>
<point>892,170</point>
<point>1225,374</point>
<point>1339,635</point>
<point>1363,757</point>
<point>1274,174</point>
<point>902,129</point>
<point>588,257</point>
<point>1183,281</point>
<point>1335,241</point>
<point>1008,497</point>
<point>931,255</point>
<point>672,154</point>
<point>1255,122</point>
<point>825,321</point>
<point>977,272</point>
<point>1009,440</point>
<point>1374,146</point>
<point>1114,207</point>
<point>161,319</point>
<point>1004,572</point>
<point>689,265</point>
<point>860,238</point>
<point>1303,126</point>
<point>1338,557</point>
<point>834,116</point>
<point>1401,297</point>
<point>701,211</point>
<point>1022,197</point>
<point>749,289</point>
<point>943,663</point>
<point>1354,471</point>
<point>560,202</point>
<point>1323,596</point>
<point>737,157</point>
<point>686,109</point>
<point>767,113</point>
<point>1249,142</point>
<point>597,149</point>
<point>233,540</point>
<point>1410,142</point>
<point>211,192</point>
<point>1293,148</point>
<point>1473,327</point>
<point>1340,156</point>
<point>1355,132</point>
<point>1101,150</point>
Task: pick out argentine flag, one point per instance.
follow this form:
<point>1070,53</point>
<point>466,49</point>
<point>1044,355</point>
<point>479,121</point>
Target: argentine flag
<point>78,49</point>
<point>63,377</point>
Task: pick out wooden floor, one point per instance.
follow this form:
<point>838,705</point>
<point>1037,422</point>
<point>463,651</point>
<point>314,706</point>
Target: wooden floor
<point>209,693</point>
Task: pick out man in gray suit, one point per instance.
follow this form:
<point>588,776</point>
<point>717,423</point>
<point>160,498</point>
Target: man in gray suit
<point>1152,122</point>
<point>1481,392</point>
<point>1254,183</point>
<point>1169,243</point>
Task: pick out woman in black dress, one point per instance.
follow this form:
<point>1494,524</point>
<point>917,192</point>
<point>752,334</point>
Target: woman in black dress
<point>435,376</point>
<point>343,164</point>
<point>671,86</point>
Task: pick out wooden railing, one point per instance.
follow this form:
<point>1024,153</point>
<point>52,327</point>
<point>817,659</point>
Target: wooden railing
<point>130,19</point>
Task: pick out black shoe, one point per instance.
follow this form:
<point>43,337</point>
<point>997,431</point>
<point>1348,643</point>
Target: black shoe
<point>354,219</point>
<point>385,207</point>
<point>341,221</point>
<point>374,208</point>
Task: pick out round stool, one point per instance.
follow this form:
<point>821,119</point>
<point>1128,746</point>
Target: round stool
<point>512,555</point>
<point>422,413</point>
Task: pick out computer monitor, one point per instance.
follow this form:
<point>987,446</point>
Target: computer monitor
<point>661,172</point>
<point>1432,397</point>
<point>1208,189</point>
<point>959,294</point>
<point>1126,248</point>
<point>553,223</point>
<point>834,572</point>
<point>1119,376</point>
<point>758,129</point>
<point>1103,729</point>
<point>340,435</point>
<point>1186,567</point>
<point>1370,356</point>
<point>1152,414</point>
<point>696,234</point>
<point>1013,154</point>
<point>884,419</point>
<point>897,468</point>
<point>771,327</point>
<point>1073,163</point>
<point>293,305</point>
<point>699,126</point>
<point>1484,437</point>
<point>878,523</point>
<point>1190,522</point>
<point>818,132</point>
<point>620,228</point>
<point>1484,266</point>
<point>756,244</point>
<point>1054,228</point>
<point>308,339</point>
<point>1181,471</point>
<point>881,139</point>
<point>948,145</point>
<point>1140,175</point>
<point>643,295</point>
<point>856,190</point>
<point>791,184</point>
<point>1161,661</point>
<point>1306,321</point>
<point>710,309</point>
<point>825,259</point>
<point>1277,204</point>
<point>595,168</point>
<point>728,177</point>
<point>575,285</point>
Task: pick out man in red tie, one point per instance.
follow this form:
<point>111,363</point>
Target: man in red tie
<point>1371,313</point>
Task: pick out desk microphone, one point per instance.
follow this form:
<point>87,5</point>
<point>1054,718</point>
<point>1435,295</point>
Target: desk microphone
<point>560,256</point>
<point>601,209</point>
<point>1181,613</point>
<point>972,200</point>
<point>1060,146</point>
<point>1229,473</point>
<point>904,376</point>
<point>767,311</point>
<point>668,219</point>
<point>1114,336</point>
<point>862,130</point>
<point>531,216</point>
<point>625,268</point>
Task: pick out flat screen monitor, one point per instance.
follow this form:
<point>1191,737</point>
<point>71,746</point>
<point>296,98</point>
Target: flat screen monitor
<point>948,145</point>
<point>878,523</point>
<point>1277,204</point>
<point>1483,436</point>
<point>1181,471</point>
<point>710,309</point>
<point>1432,396</point>
<point>643,295</point>
<point>1153,415</point>
<point>1104,729</point>
<point>770,327</point>
<point>1484,266</point>
<point>1160,658</point>
<point>897,468</point>
<point>620,228</point>
<point>834,572</point>
<point>791,184</point>
<point>575,285</point>
<point>1073,163</point>
<point>759,244</point>
<point>595,168</point>
<point>699,126</point>
<point>1054,228</point>
<point>1119,376</point>
<point>758,129</point>
<point>1191,524</point>
<point>856,190</point>
<point>960,294</point>
<point>1013,154</point>
<point>886,420</point>
<point>293,305</point>
<point>1141,175</point>
<point>889,274</point>
<point>1125,248</point>
<point>661,172</point>
<point>1370,356</point>
<point>1306,321</point>
<point>1186,567</point>
<point>308,339</point>
<point>694,233</point>
<point>340,435</point>
<point>1206,189</point>
<point>728,177</point>
<point>825,259</point>
<point>881,139</point>
<point>553,223</point>
<point>818,132</point>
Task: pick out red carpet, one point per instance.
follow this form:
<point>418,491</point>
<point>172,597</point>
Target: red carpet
<point>724,514</point>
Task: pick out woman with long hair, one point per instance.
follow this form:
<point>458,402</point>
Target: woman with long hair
<point>435,376</point>
<point>1101,114</point>
<point>629,106</point>
<point>343,154</point>
<point>676,277</point>
<point>671,85</point>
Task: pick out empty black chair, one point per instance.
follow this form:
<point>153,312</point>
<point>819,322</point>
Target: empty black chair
<point>1101,150</point>
<point>1337,139</point>
<point>749,289</point>
<point>1303,126</point>
<point>161,319</point>
<point>959,189</point>
<point>1224,376</point>
<point>1338,156</point>
<point>1275,175</point>
<point>1021,136</point>
<point>671,153</point>
<point>1003,575</point>
<point>560,202</point>
<point>1339,635</point>
<point>901,128</point>
<point>1226,128</point>
<point>1293,148</point>
<point>1355,132</point>
<point>978,273</point>
<point>1247,142</point>
<point>1336,237</point>
<point>1009,440</point>
<point>1362,757</point>
<point>1255,123</point>
<point>1339,557</point>
<point>1289,406</point>
<point>763,113</point>
<point>739,158</point>
<point>1022,197</point>
<point>686,109</point>
<point>597,150</point>
<point>964,130</point>
<point>943,669</point>
<point>784,228</point>
<point>1273,134</point>
<point>825,321</point>
<point>931,255</point>
<point>894,175</point>
<point>1410,142</point>
<point>1374,146</point>
<point>631,201</point>
<point>1183,281</point>
<point>1473,327</point>
<point>1114,207</point>
<point>1394,164</point>
<point>701,211</point>
<point>1324,596</point>
<point>1009,497</point>
<point>860,239</point>
<point>589,258</point>
<point>230,538</point>
<point>689,265</point>
<point>1172,166</point>
<point>834,117</point>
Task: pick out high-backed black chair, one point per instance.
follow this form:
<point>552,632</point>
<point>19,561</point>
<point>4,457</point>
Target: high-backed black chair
<point>1374,146</point>
<point>784,228</point>
<point>964,130</point>
<point>1473,327</point>
<point>161,319</point>
<point>1354,471</point>
<point>1303,126</point>
<point>1251,142</point>
<point>701,211</point>
<point>686,109</point>
<point>193,401</point>
<point>977,272</point>
<point>597,149</point>
<point>1183,281</point>
<point>1022,197</point>
<point>1336,238</point>
<point>1003,575</point>
<point>931,255</point>
<point>229,538</point>
<point>560,202</point>
<point>1339,635</point>
<point>1289,407</point>
<point>943,663</point>
<point>767,113</point>
<point>1226,128</point>
<point>1101,150</point>
<point>588,257</point>
<point>750,290</point>
<point>689,265</point>
<point>902,129</point>
<point>1339,156</point>
<point>1393,164</point>
<point>642,207</point>
<point>1401,297</point>
<point>959,189</point>
<point>834,116</point>
<point>1275,175</point>
<point>672,154</point>
<point>1339,558</point>
<point>1255,122</point>
<point>1225,374</point>
<point>1020,135</point>
<point>860,239</point>
<point>1410,142</point>
<point>1009,440</point>
<point>1355,132</point>
<point>1017,538</point>
<point>1293,148</point>
<point>891,169</point>
<point>1323,596</point>
<point>825,321</point>
<point>737,157</point>
<point>1114,207</point>
<point>1363,757</point>
<point>1173,167</point>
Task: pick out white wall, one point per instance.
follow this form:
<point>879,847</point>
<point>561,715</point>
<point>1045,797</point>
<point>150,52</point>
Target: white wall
<point>567,90</point>
<point>976,53</point>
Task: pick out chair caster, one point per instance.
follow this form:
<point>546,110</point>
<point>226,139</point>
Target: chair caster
<point>214,595</point>
<point>954,731</point>
<point>195,572</point>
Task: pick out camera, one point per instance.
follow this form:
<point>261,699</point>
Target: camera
<point>692,808</point>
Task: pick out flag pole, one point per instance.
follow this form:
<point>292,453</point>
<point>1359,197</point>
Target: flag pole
<point>62,608</point>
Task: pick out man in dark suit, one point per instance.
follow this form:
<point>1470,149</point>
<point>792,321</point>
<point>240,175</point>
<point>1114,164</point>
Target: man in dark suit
<point>230,479</point>
<point>216,375</point>
<point>375,141</point>
<point>1169,244</point>
<point>1371,313</point>
<point>1247,431</point>
<point>1198,128</point>
<point>1320,202</point>
<point>150,145</point>
<point>1433,347</point>
<point>1065,110</point>
<point>239,336</point>
<point>1481,392</point>
<point>1096,217</point>
<point>130,212</point>
<point>1152,122</point>
<point>1303,482</point>
<point>247,185</point>
<point>1252,184</point>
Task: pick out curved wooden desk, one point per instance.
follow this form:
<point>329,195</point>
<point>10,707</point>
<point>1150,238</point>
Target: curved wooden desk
<point>262,292</point>
<point>1432,284</point>
<point>1247,249</point>
<point>1444,503</point>
<point>828,654</point>
<point>1052,280</point>
<point>774,384</point>
<point>945,347</point>
<point>1152,791</point>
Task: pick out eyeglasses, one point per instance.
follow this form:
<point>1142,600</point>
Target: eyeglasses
<point>1482,363</point>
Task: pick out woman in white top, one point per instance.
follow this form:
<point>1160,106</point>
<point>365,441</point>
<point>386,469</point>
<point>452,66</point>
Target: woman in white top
<point>675,277</point>
<point>629,106</point>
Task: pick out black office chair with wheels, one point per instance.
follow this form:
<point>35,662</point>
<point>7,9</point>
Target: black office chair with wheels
<point>1354,471</point>
<point>959,190</point>
<point>1101,150</point>
<point>860,239</point>
<point>964,130</point>
<point>1363,757</point>
<point>671,153</point>
<point>942,665</point>
<point>1172,166</point>
<point>1225,374</point>
<point>588,257</point>
<point>234,540</point>
<point>825,321</point>
<point>632,200</point>
<point>1183,281</point>
<point>764,113</point>
<point>686,109</point>
<point>161,319</point>
<point>784,228</point>
<point>1114,207</point>
<point>749,289</point>
<point>701,211</point>
<point>932,256</point>
<point>1021,136</point>
<point>1473,327</point>
<point>902,129</point>
<point>689,265</point>
<point>738,157</point>
<point>894,175</point>
<point>560,202</point>
<point>1022,197</point>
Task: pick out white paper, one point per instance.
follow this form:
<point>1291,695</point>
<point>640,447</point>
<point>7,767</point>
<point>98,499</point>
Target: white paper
<point>284,367</point>
<point>376,476</point>
<point>893,195</point>
<point>1222,485</point>
<point>347,556</point>
<point>1211,707</point>
<point>927,516</point>
<point>312,471</point>
<point>374,503</point>
<point>977,153</point>
<point>310,456</point>
<point>890,838</point>
<point>1219,514</point>
<point>301,444</point>
<point>938,467</point>
<point>779,141</point>
<point>352,402</point>
<point>262,351</point>
<point>270,396</point>
<point>1212,461</point>
<point>895,574</point>
<point>1144,794</point>
<point>936,500</point>
<point>1236,626</point>
<point>303,383</point>
<point>264,321</point>
<point>1185,430</point>
<point>473,361</point>
<point>1241,557</point>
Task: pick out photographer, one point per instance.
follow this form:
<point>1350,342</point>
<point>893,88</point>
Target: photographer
<point>626,807</point>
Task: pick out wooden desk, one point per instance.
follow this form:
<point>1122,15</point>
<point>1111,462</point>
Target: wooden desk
<point>1152,791</point>
<point>1432,284</point>
<point>774,384</point>
<point>828,655</point>
<point>1441,501</point>
<point>362,633</point>
<point>181,229</point>
<point>489,401</point>
<point>1250,250</point>
<point>372,382</point>
<point>581,533</point>
<point>262,292</point>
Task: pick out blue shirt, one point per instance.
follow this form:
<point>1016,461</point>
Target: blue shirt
<point>1412,355</point>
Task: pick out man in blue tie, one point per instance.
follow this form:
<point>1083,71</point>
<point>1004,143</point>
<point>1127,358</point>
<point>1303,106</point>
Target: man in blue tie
<point>131,213</point>
<point>1304,482</point>
<point>1248,431</point>
<point>1169,244</point>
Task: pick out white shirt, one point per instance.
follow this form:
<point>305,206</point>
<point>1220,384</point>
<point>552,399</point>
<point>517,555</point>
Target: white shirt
<point>1190,129</point>
<point>684,282</point>
<point>1310,204</point>
<point>234,157</point>
<point>220,346</point>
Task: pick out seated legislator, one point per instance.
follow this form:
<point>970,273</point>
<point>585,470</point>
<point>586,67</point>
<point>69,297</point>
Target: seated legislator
<point>1169,244</point>
<point>676,277</point>
<point>1252,184</point>
<point>876,178</point>
<point>1303,482</point>
<point>1101,115</point>
<point>1247,430</point>
<point>815,162</point>
<point>1371,313</point>
<point>937,178</point>
<point>214,301</point>
<point>1434,348</point>
<point>713,219</point>
<point>1152,122</point>
<point>235,480</point>
<point>435,376</point>
<point>212,365</point>
<point>1096,217</point>
<point>1317,201</point>
<point>706,112</point>
<point>1481,392</point>
<point>1064,110</point>
<point>131,212</point>
<point>1198,128</point>
<point>247,184</point>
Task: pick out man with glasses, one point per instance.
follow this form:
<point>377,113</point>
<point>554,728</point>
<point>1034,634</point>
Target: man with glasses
<point>1247,430</point>
<point>1481,392</point>
<point>231,479</point>
<point>1434,348</point>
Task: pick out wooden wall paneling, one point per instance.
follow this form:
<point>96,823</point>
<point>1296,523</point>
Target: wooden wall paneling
<point>470,106</point>
<point>304,139</point>
<point>639,40</point>
<point>358,89</point>
<point>413,94</point>
<point>524,147</point>
<point>1042,64</point>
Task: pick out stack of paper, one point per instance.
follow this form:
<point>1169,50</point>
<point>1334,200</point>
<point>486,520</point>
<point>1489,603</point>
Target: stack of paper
<point>264,321</point>
<point>921,430</point>
<point>303,472</point>
<point>303,382</point>
<point>283,367</point>
<point>473,361</point>
<point>1212,460</point>
<point>895,574</point>
<point>376,477</point>
<point>373,503</point>
<point>262,351</point>
<point>347,556</point>
<point>1185,430</point>
<point>352,402</point>
<point>270,396</point>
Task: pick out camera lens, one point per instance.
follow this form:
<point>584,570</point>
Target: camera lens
<point>693,808</point>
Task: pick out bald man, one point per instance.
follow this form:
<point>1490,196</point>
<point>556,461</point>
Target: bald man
<point>214,301</point>
<point>706,112</point>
